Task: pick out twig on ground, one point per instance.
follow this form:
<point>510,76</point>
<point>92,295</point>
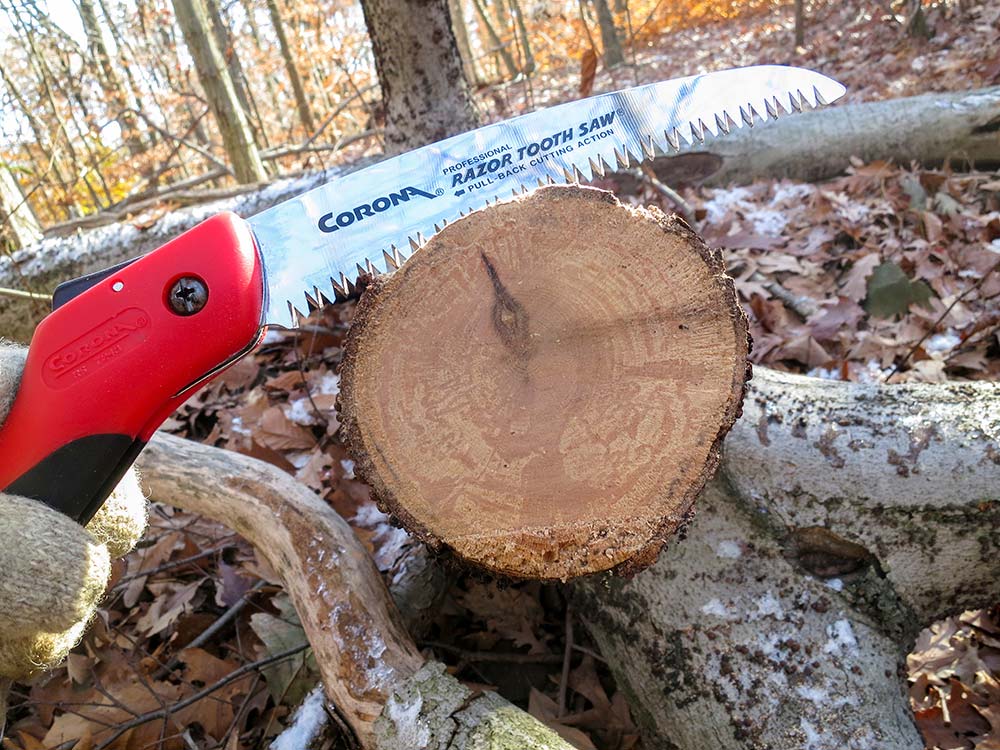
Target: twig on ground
<point>224,619</point>
<point>4,691</point>
<point>19,294</point>
<point>804,307</point>
<point>567,658</point>
<point>181,705</point>
<point>125,580</point>
<point>645,174</point>
<point>906,358</point>
<point>499,657</point>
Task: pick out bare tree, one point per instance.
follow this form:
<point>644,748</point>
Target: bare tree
<point>237,137</point>
<point>455,7</point>
<point>112,83</point>
<point>18,224</point>
<point>301,102</point>
<point>425,94</point>
<point>496,43</point>
<point>528,66</point>
<point>609,35</point>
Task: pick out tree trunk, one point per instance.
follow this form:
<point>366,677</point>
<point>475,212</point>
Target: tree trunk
<point>800,23</point>
<point>112,82</point>
<point>18,224</point>
<point>960,128</point>
<point>224,41</point>
<point>845,518</point>
<point>522,32</point>
<point>248,10</point>
<point>301,102</point>
<point>495,42</point>
<point>917,26</point>
<point>373,674</point>
<point>126,57</point>
<point>457,10</point>
<point>425,94</point>
<point>609,35</point>
<point>521,484</point>
<point>220,91</point>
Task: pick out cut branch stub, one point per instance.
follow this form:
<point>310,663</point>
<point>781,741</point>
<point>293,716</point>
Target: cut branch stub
<point>543,387</point>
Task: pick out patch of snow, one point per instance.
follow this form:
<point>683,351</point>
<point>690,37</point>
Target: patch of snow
<point>836,584</point>
<point>729,549</point>
<point>237,425</point>
<point>873,372</point>
<point>768,222</point>
<point>812,693</point>
<point>831,373</point>
<point>814,740</point>
<point>330,384</point>
<point>300,412</point>
<point>722,201</point>
<point>841,638</point>
<point>299,458</point>
<point>863,740</point>
<point>769,606</point>
<point>715,607</point>
<point>272,336</point>
<point>369,516</point>
<point>391,541</point>
<point>307,723</point>
<point>348,465</point>
<point>405,718</point>
<point>791,192</point>
<point>940,343</point>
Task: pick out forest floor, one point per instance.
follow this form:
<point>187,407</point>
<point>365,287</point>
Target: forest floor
<point>889,265</point>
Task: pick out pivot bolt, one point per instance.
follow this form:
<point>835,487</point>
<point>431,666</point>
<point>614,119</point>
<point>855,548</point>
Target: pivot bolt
<point>188,295</point>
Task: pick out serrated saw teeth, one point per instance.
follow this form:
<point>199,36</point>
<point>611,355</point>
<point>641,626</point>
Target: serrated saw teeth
<point>648,147</point>
<point>722,124</point>
<point>399,201</point>
<point>697,131</point>
<point>339,288</point>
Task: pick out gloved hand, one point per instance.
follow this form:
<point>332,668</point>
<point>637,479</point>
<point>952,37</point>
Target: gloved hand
<point>53,572</point>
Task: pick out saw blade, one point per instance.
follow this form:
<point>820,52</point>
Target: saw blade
<point>317,244</point>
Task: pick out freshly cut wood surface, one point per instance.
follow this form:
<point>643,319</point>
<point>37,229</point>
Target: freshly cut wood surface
<point>544,386</point>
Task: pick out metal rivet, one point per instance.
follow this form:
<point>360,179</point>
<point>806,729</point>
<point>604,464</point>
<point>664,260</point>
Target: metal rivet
<point>188,295</point>
<point>118,286</point>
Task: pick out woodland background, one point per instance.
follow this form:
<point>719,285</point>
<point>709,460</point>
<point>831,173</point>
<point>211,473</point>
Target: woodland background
<point>885,273</point>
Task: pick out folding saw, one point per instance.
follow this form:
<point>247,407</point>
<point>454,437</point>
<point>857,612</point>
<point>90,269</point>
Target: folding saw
<point>126,346</point>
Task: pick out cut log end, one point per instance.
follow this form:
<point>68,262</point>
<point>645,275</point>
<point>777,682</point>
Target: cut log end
<point>542,389</point>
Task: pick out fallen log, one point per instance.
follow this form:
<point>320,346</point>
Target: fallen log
<point>932,129</point>
<point>542,389</point>
<point>374,677</point>
<point>845,518</point>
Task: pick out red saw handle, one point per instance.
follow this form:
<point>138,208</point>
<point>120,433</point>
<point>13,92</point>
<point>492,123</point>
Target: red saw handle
<point>121,351</point>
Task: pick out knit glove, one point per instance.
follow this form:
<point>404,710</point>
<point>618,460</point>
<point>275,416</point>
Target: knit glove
<point>53,571</point>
